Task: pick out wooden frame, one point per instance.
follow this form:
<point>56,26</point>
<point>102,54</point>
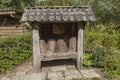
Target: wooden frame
<point>36,48</point>
<point>80,45</point>
<point>38,57</point>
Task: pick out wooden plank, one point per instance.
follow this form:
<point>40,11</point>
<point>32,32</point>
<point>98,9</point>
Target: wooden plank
<point>6,34</point>
<point>80,45</point>
<point>36,48</point>
<point>9,27</point>
<point>59,56</point>
<point>11,31</point>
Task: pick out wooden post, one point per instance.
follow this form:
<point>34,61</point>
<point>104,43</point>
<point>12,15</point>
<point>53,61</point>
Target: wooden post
<point>36,48</point>
<point>80,45</point>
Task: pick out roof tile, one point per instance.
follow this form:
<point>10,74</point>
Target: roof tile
<point>58,14</point>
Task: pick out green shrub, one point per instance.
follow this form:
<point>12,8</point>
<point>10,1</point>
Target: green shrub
<point>87,59</point>
<point>111,65</point>
<point>92,39</point>
<point>109,39</point>
<point>14,50</point>
<point>98,56</point>
<point>102,44</point>
<point>106,59</point>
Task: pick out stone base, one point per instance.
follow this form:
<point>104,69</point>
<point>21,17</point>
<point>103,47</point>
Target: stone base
<point>90,74</point>
<point>73,74</point>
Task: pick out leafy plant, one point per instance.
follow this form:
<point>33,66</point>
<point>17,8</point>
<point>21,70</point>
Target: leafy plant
<point>112,66</point>
<point>98,56</point>
<point>87,60</point>
<point>102,45</point>
<point>14,50</point>
<point>109,38</point>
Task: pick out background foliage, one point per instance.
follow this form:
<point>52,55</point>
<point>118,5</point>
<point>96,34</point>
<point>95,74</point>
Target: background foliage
<point>14,50</point>
<point>16,4</point>
<point>106,11</point>
<point>102,49</point>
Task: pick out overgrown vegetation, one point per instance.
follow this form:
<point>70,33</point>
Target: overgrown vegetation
<point>14,50</point>
<point>103,50</point>
<point>112,66</point>
<point>87,61</point>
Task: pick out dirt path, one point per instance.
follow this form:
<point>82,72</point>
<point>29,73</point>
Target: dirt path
<point>60,70</point>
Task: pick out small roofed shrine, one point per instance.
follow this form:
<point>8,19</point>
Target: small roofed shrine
<point>57,32</point>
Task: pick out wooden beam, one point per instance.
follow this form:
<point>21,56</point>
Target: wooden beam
<point>80,45</point>
<point>36,48</point>
<point>59,56</point>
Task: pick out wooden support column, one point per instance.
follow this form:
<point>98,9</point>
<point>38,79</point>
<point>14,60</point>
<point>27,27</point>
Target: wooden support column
<point>80,45</point>
<point>36,48</point>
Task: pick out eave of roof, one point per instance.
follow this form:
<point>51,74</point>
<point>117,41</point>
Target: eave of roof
<point>58,13</point>
<point>10,11</point>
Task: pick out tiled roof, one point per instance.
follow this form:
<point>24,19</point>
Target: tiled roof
<point>69,13</point>
<point>7,12</point>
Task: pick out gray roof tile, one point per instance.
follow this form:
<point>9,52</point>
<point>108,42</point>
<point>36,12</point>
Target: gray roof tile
<point>71,13</point>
